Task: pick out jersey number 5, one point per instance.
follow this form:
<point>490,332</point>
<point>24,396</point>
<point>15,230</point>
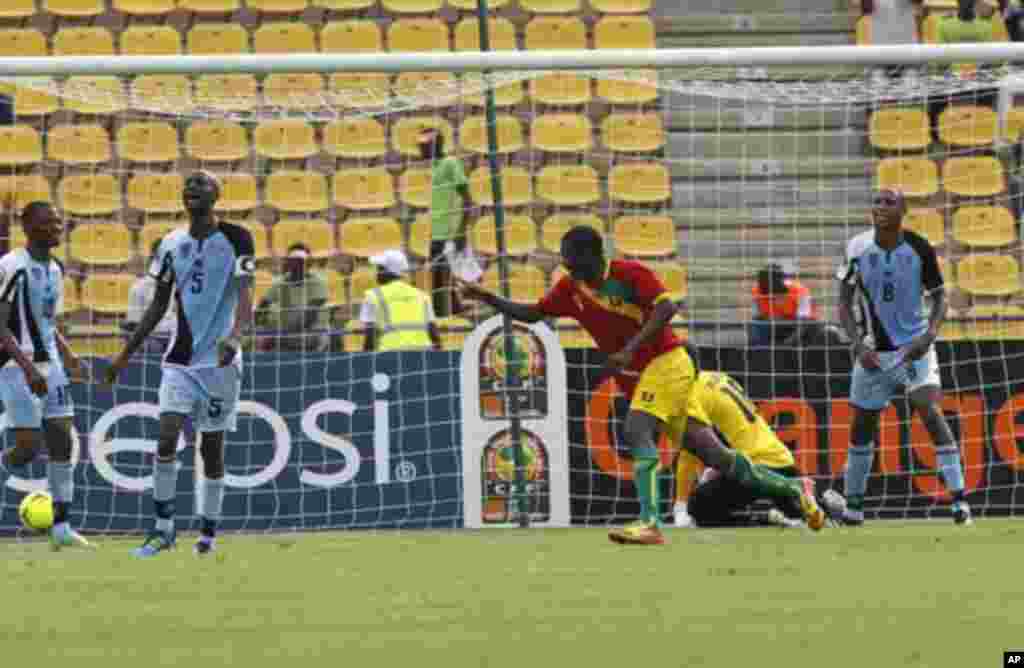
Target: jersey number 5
<point>197,281</point>
<point>888,292</point>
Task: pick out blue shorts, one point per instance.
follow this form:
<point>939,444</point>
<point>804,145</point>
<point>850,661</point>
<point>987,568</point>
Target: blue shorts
<point>209,395</point>
<point>24,410</point>
<point>872,390</point>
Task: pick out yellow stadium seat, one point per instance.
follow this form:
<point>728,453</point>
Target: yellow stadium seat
<point>428,89</point>
<point>414,187</point>
<point>95,95</point>
<point>156,193</point>
<point>209,39</point>
<point>74,8</point>
<point>148,141</point>
<point>277,6</point>
<point>355,138</point>
<point>364,189</point>
<point>17,9</point>
<point>555,32</point>
<point>899,130</point>
<point>294,92</point>
<point>344,5</point>
<point>1014,124</point>
<point>571,335</point>
<point>915,177</point>
<point>621,6</point>
<point>260,238</point>
<point>420,235</point>
<point>107,244</point>
<point>645,236</point>
<point>520,235</point>
<point>473,134</point>
<point>22,42</point>
<point>863,31</point>
<point>624,32</point>
<point>97,345</point>
<point>984,226</point>
<point>355,334</point>
<point>929,29</point>
<point>470,5</point>
<point>216,141</point>
<point>562,133</point>
<point>336,289</point>
<point>994,322</point>
<point>968,125</point>
<point>83,42</point>
<point>418,35</point>
<point>516,186</point>
<point>550,6</point>
<point>297,191</point>
<point>150,41</point>
<point>162,92</point>
<point>33,97</point>
<point>628,86</point>
<point>90,194</point>
<point>555,227</point>
<point>411,6</point>
<point>501,34</point>
<point>238,193</point>
<point>318,235</point>
<point>144,7</point>
<point>406,133</point>
<point>284,37</point>
<point>362,279</point>
<point>364,237</point>
<point>633,132</point>
<point>929,223</point>
<point>505,95</point>
<point>561,88</point>
<point>227,92</point>
<point>569,185</point>
<point>526,282</point>
<point>210,6</point>
<point>285,140</point>
<point>673,276</point>
<point>18,190</point>
<point>639,183</point>
<point>355,36</point>
<point>72,302</point>
<point>359,90</point>
<point>261,282</point>
<point>20,145</point>
<point>82,144</point>
<point>981,176</point>
<point>453,332</point>
<point>153,232</point>
<point>107,293</point>
<point>988,275</point>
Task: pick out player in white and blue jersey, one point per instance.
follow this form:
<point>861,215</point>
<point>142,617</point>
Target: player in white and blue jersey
<point>208,269</point>
<point>885,276</point>
<point>35,361</point>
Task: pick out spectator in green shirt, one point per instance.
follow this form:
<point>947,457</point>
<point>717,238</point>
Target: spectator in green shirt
<point>294,307</point>
<point>448,198</point>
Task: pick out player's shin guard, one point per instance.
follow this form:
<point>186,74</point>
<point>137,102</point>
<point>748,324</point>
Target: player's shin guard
<point>858,468</point>
<point>763,481</point>
<point>62,488</point>
<point>952,472</point>
<point>645,476</point>
<point>165,482</point>
<point>210,509</point>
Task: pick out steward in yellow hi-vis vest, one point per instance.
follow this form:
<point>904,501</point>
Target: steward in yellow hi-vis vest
<point>397,315</point>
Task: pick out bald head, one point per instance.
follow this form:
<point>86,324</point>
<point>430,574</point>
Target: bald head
<point>201,192</point>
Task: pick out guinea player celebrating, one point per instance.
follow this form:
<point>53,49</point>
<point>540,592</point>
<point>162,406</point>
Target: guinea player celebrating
<point>627,310</point>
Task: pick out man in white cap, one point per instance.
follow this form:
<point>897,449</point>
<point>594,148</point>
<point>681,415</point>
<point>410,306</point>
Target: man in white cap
<point>397,315</point>
<point>294,306</point>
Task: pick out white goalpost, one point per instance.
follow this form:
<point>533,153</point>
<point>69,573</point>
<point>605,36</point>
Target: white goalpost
<point>708,164</point>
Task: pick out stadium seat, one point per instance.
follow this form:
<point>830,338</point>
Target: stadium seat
<point>107,293</point>
<point>81,144</point>
<point>633,132</point>
<point>294,92</point>
<point>150,41</point>
<point>34,97</point>
<point>411,6</point>
<point>364,189</point>
<point>420,235</point>
<point>238,193</point>
<point>20,145</point>
<point>505,95</point>
<point>560,89</point>
<point>988,275</point>
<point>363,278</point>
<point>418,35</point>
<point>355,334</point>
<point>277,6</point>
<point>317,234</point>
<point>520,235</point>
<point>628,86</point>
<point>994,322</point>
<point>207,39</point>
<point>297,191</point>
<point>17,9</point>
<point>210,6</point>
<point>562,133</point>
<point>144,7</point>
<point>929,223</point>
<point>516,186</point>
<point>336,289</point>
<point>473,134</point>
<point>550,6</point>
<point>363,237</point>
<point>148,141</point>
<point>1014,124</point>
<point>285,140</point>
<point>968,126</point>
<point>673,275</point>
<point>501,33</point>
<point>97,345</point>
<point>216,141</point>
<point>162,92</point>
<point>83,42</point>
<point>645,236</point>
<point>569,185</point>
<point>899,130</point>
<point>406,133</point>
<point>72,302</point>
<point>621,6</point>
<point>981,176</point>
<point>74,8</point>
<point>355,138</point>
<point>571,335</point>
<point>470,5</point>
<point>261,282</point>
<point>22,42</point>
<point>428,89</point>
<point>227,92</point>
<point>18,190</point>
<point>414,187</point>
<point>90,194</point>
<point>359,90</point>
<point>862,31</point>
<point>639,183</point>
<point>929,29</point>
<point>915,177</point>
<point>356,36</point>
<point>526,282</point>
<point>989,226</point>
<point>555,227</point>
<point>156,193</point>
<point>104,244</point>
<point>95,95</point>
<point>453,331</point>
<point>284,37</point>
<point>154,231</point>
<point>344,5</point>
<point>624,32</point>
<point>260,238</point>
<point>555,32</point>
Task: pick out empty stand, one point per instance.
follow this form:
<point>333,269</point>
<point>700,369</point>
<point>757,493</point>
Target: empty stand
<point>285,140</point>
<point>72,300</point>
<point>981,176</point>
<point>516,185</point>
<point>473,134</point>
<point>22,42</point>
<point>633,132</point>
<point>645,236</point>
<point>102,244</point>
<point>153,232</point>
<point>317,235</point>
<point>17,9</point>
<point>639,183</point>
<point>551,6</point>
<point>562,133</point>
<point>507,95</point>
<point>984,226</point>
<point>621,6</point>
<point>968,126</point>
<point>624,32</point>
<point>83,42</point>
<point>561,88</point>
<point>344,5</point>
<point>150,41</point>
<point>555,32</point>
<point>420,34</point>
<point>227,92</point>
<point>355,36</point>
<point>81,144</point>
<point>569,185</point>
<point>277,6</point>
<point>284,37</point>
<point>210,6</point>
<point>144,7</point>
<point>899,130</point>
<point>74,8</point>
<point>628,87</point>
<point>364,189</point>
<point>148,141</point>
<point>411,6</point>
<point>294,92</point>
<point>420,235</point>
<point>501,34</point>
<point>217,39</point>
<point>297,191</point>
<point>156,193</point>
<point>18,190</point>
<point>95,95</point>
<point>238,193</point>
<point>359,90</point>
<point>915,177</point>
<point>20,145</point>
<point>170,92</point>
<point>414,187</point>
<point>436,89</point>
<point>355,138</point>
<point>988,275</point>
<point>216,141</point>
<point>526,282</point>
<point>520,235</point>
<point>929,223</point>
<point>364,237</point>
<point>107,293</point>
<point>89,194</point>
<point>35,100</point>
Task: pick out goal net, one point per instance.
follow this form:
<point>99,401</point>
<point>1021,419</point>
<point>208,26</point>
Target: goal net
<point>709,174</point>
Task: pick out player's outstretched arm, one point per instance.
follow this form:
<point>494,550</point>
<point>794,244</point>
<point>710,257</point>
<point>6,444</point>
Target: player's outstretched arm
<point>35,379</point>
<point>150,319</point>
<point>662,315</point>
<point>514,310</point>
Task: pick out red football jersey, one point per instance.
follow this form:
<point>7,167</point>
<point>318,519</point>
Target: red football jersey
<point>614,313</point>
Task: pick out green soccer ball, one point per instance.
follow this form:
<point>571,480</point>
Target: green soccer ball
<point>36,511</point>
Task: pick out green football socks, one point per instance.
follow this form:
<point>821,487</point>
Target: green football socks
<point>645,477</point>
<point>762,480</point>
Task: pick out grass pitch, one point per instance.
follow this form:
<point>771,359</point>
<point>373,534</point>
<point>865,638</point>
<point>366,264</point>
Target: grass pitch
<point>923,594</point>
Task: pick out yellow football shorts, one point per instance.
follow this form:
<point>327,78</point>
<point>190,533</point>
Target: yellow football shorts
<point>664,389</point>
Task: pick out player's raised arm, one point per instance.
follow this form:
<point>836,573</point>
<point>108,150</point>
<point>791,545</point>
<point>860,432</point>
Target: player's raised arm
<point>514,310</point>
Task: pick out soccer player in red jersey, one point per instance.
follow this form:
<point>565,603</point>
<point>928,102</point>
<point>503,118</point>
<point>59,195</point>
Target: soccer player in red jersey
<point>627,310</point>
